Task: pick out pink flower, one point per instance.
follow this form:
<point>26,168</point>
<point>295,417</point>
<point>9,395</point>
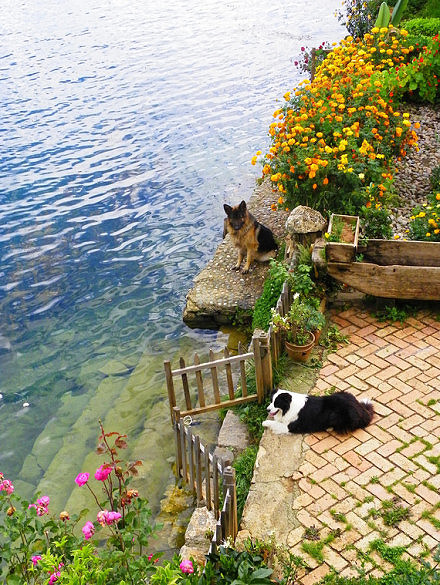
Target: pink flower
<point>41,506</point>
<point>102,473</point>
<point>35,559</point>
<point>105,517</point>
<point>113,517</point>
<point>88,530</point>
<point>82,479</point>
<point>6,485</point>
<point>102,517</point>
<point>186,567</point>
<point>54,577</point>
<point>150,558</point>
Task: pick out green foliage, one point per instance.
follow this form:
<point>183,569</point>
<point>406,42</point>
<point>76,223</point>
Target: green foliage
<point>428,27</point>
<point>376,222</point>
<point>238,568</point>
<point>272,288</point>
<point>419,78</point>
<point>244,467</point>
<point>334,338</point>
<point>393,512</point>
<point>395,312</point>
<point>383,16</point>
<point>403,571</point>
<point>398,12</point>
<point>302,319</point>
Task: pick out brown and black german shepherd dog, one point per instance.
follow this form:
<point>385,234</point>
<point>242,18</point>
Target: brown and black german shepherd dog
<point>249,236</point>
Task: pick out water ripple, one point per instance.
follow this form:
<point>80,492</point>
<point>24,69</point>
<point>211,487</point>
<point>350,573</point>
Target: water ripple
<point>125,127</point>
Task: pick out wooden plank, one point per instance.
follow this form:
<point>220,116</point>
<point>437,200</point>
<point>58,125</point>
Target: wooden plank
<point>224,404</point>
<point>191,459</point>
<point>183,448</point>
<point>215,485</point>
<point>214,377</point>
<point>198,464</point>
<point>402,252</point>
<point>208,497</point>
<point>185,384</point>
<point>259,378</point>
<point>229,375</point>
<point>244,391</point>
<point>177,430</point>
<point>199,379</point>
<point>221,362</point>
<point>394,282</point>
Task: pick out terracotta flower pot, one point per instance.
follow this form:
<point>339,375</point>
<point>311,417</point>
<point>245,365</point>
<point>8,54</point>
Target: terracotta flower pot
<point>300,353</point>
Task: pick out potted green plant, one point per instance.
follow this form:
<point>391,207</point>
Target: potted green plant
<point>296,328</point>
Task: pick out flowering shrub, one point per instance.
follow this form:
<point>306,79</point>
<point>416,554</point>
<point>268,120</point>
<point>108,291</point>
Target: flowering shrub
<point>425,221</point>
<point>37,548</point>
<point>335,141</point>
<point>420,77</point>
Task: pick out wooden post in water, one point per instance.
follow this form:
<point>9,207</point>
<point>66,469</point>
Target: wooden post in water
<point>177,432</point>
<point>170,387</point>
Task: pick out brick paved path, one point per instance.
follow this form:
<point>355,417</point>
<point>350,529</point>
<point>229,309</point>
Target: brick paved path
<point>379,483</point>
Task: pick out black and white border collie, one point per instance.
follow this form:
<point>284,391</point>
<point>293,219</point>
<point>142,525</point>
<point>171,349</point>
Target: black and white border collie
<point>290,412</point>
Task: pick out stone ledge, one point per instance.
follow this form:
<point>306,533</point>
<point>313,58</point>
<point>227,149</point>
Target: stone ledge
<point>219,291</point>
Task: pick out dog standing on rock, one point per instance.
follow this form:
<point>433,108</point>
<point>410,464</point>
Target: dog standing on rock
<point>252,239</point>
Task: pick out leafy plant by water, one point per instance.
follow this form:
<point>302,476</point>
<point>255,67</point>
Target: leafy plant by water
<point>272,288</point>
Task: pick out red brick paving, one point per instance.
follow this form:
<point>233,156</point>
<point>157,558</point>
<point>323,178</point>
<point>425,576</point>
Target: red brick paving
<point>347,480</point>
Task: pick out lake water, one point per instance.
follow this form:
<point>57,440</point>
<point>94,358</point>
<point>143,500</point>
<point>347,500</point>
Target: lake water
<point>125,127</point>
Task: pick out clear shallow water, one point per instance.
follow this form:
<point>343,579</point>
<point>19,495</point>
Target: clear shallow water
<point>125,127</point>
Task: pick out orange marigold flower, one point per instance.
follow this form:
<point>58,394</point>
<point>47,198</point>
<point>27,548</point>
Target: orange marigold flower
<point>325,181</point>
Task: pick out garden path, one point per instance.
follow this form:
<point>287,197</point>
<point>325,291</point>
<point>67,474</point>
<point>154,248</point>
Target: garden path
<point>340,494</point>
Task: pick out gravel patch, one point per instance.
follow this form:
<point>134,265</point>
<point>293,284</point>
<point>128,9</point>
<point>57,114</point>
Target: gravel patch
<point>412,178</point>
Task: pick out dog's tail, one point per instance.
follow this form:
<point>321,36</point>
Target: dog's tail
<point>367,411</point>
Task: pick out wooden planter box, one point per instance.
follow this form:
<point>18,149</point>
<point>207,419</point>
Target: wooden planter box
<point>345,249</point>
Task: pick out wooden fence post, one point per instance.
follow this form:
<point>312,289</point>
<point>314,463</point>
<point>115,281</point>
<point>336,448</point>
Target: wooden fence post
<point>266,363</point>
<point>259,380</point>
<point>177,434</point>
<point>170,387</point>
<point>263,364</point>
<point>229,484</point>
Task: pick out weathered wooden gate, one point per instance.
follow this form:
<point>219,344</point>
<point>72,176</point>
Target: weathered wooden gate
<point>204,399</point>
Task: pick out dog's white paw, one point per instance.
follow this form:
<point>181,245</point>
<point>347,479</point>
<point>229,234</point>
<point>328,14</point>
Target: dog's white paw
<point>267,424</point>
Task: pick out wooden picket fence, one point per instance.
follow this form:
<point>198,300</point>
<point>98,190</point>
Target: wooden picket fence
<point>282,307</point>
<point>208,477</point>
<point>207,399</point>
<point>203,472</point>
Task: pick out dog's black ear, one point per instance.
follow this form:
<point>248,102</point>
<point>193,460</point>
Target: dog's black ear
<point>242,206</point>
<point>227,208</point>
<point>274,391</point>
